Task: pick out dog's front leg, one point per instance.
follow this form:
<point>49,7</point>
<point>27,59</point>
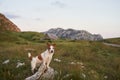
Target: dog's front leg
<point>45,64</point>
<point>33,66</point>
<point>48,62</point>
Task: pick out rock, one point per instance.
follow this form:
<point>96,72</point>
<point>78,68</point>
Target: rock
<point>49,36</point>
<point>67,75</point>
<point>80,63</point>
<point>105,77</point>
<point>72,63</point>
<point>42,74</point>
<point>6,61</point>
<point>74,34</point>
<point>83,75</point>
<point>20,64</point>
<point>97,37</point>
<point>57,60</point>
<point>49,74</point>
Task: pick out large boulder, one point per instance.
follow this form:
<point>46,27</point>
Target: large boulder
<point>43,74</point>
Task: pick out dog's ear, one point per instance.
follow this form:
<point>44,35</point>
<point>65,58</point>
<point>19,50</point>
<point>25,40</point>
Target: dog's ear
<point>48,44</point>
<point>54,44</point>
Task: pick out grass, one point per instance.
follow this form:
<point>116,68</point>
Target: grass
<point>113,40</point>
<point>97,61</point>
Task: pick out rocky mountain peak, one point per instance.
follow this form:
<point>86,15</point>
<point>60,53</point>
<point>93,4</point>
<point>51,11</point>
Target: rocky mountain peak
<point>74,34</point>
<point>7,25</point>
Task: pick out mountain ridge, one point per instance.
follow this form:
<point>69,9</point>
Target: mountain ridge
<point>74,34</point>
<point>7,25</point>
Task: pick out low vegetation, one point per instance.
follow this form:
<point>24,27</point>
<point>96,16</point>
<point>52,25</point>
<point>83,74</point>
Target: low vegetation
<point>113,40</point>
<point>79,60</point>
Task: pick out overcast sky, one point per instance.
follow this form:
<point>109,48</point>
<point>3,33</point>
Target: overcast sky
<point>95,16</point>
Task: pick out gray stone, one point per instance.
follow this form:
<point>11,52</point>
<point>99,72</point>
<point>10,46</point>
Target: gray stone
<point>42,74</point>
<point>74,34</point>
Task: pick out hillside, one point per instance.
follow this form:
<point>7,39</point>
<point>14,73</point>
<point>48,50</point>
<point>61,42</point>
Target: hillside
<point>74,34</point>
<point>20,37</point>
<point>113,40</point>
<point>79,59</point>
<point>7,25</point>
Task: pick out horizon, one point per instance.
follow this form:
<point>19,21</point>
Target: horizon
<point>97,17</point>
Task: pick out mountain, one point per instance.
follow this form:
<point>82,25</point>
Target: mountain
<point>7,25</point>
<point>74,34</point>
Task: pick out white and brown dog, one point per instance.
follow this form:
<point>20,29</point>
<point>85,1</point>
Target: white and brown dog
<point>44,57</point>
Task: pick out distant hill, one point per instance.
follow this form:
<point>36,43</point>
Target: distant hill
<point>74,34</point>
<point>113,40</point>
<point>20,37</point>
<point>7,25</point>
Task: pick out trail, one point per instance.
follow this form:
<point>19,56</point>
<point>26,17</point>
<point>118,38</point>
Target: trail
<point>110,44</point>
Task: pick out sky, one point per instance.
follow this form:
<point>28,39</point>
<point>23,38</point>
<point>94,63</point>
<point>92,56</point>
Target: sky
<point>95,16</point>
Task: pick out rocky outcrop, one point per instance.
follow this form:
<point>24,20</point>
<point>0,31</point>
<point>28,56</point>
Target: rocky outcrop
<point>7,25</point>
<point>49,36</point>
<point>74,34</point>
<point>42,74</point>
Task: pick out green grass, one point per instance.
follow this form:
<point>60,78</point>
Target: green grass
<point>98,59</point>
<point>113,40</point>
<point>21,37</point>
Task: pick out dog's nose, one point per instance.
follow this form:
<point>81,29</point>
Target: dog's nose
<point>51,51</point>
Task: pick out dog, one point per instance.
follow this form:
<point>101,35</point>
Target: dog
<point>44,57</point>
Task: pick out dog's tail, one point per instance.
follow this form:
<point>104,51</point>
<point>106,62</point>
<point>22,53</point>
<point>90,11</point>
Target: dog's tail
<point>29,56</point>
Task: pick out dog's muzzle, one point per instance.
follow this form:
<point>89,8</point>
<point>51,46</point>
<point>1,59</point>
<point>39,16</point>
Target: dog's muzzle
<point>51,51</point>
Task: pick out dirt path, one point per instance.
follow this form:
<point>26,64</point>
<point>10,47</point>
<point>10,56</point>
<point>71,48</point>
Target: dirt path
<point>110,44</point>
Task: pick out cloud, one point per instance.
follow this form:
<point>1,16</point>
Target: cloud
<point>58,4</point>
<point>11,16</point>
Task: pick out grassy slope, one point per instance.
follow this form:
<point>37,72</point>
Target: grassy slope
<point>20,37</point>
<point>113,40</point>
<point>99,61</point>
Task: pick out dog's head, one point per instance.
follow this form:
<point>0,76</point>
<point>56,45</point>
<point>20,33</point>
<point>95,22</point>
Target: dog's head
<point>51,47</point>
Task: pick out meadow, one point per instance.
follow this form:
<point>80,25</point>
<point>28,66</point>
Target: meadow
<point>79,59</point>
